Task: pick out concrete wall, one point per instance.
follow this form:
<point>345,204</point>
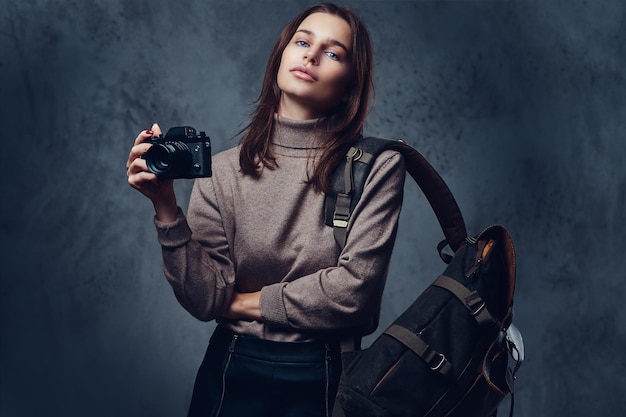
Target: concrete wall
<point>521,105</point>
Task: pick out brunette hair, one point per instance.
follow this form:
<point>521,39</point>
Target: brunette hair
<point>344,121</point>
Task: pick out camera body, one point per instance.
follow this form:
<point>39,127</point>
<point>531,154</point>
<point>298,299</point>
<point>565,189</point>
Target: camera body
<point>181,153</point>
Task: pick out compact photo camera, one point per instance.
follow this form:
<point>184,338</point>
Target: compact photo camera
<point>181,153</point>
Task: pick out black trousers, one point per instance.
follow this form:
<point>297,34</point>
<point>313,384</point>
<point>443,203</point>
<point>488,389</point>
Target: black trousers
<point>247,376</point>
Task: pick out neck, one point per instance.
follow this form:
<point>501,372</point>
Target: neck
<point>297,134</point>
<point>296,110</point>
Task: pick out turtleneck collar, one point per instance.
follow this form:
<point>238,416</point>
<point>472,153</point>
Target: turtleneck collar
<point>296,134</point>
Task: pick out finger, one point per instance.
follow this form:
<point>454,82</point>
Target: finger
<point>142,178</point>
<point>136,152</point>
<point>143,135</point>
<point>136,166</point>
<point>156,129</point>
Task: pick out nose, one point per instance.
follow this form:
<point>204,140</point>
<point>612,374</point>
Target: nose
<point>310,56</point>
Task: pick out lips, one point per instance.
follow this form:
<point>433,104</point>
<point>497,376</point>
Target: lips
<point>303,73</point>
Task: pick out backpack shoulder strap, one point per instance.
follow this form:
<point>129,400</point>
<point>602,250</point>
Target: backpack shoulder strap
<point>349,180</point>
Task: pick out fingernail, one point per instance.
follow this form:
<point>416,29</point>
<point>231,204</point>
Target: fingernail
<point>149,132</point>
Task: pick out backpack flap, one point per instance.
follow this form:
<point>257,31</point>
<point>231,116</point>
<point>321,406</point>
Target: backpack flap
<point>446,354</point>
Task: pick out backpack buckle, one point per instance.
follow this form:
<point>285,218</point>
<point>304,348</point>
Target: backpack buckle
<point>354,154</point>
<point>475,304</point>
<point>442,360</point>
<point>478,309</point>
<point>342,211</point>
<point>340,221</point>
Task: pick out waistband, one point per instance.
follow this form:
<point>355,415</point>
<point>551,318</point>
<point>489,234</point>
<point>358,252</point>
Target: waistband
<point>271,350</point>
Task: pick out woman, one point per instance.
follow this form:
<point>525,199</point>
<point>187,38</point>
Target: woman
<point>253,252</point>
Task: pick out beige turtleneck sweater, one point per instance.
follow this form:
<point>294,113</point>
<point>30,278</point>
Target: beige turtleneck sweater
<point>268,234</point>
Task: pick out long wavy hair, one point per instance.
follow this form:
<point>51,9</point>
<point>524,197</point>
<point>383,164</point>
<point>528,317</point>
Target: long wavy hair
<point>344,121</point>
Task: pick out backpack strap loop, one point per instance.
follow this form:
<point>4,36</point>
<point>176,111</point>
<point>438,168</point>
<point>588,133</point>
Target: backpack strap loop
<point>470,299</point>
<point>344,200</point>
<point>435,360</point>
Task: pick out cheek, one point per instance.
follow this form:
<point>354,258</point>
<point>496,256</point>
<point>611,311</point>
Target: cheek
<point>280,74</point>
<point>340,81</point>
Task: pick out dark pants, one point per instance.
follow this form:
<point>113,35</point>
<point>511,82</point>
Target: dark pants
<point>247,376</point>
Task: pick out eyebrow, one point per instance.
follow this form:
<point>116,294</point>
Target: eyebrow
<point>332,41</point>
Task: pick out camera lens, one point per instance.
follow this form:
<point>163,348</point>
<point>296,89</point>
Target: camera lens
<point>169,159</point>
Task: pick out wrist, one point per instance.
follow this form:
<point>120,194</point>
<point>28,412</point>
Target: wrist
<point>247,305</point>
<point>166,211</point>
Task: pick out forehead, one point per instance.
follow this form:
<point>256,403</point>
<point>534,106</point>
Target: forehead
<point>325,26</point>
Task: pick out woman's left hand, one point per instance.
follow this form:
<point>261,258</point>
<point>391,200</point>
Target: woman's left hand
<point>245,306</point>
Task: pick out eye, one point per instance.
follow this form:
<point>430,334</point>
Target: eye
<point>332,55</point>
<point>302,43</point>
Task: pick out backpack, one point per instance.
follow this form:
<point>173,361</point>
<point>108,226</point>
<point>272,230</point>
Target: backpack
<point>448,353</point>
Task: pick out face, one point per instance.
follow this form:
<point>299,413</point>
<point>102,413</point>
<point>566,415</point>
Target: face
<point>315,67</point>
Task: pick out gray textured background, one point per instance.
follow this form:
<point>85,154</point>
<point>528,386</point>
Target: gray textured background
<point>521,106</point>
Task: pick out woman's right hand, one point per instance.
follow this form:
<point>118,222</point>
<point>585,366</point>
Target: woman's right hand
<point>159,191</point>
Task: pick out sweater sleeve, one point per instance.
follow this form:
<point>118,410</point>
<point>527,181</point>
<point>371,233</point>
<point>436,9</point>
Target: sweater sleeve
<point>199,269</point>
<point>349,294</point>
